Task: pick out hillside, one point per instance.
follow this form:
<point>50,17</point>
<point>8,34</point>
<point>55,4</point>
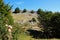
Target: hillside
<point>25,18</point>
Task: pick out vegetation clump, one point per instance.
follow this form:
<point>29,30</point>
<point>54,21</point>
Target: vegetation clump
<point>5,18</point>
<point>50,22</point>
<point>32,11</point>
<point>24,10</point>
<point>17,10</point>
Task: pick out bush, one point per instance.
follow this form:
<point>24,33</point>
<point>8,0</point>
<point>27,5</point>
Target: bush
<point>32,11</point>
<point>17,10</point>
<point>39,11</point>
<point>24,10</point>
<point>33,19</point>
<point>50,22</point>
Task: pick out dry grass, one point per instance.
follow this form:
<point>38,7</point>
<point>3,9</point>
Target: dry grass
<point>24,16</point>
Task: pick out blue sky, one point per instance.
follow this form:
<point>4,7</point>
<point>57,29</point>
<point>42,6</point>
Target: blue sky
<point>50,5</point>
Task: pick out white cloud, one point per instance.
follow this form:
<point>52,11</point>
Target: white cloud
<point>19,3</point>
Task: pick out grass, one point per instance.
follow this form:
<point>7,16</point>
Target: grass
<point>25,37</point>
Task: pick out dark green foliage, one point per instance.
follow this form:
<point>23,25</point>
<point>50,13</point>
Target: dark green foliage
<point>55,23</point>
<point>44,19</point>
<point>24,10</point>
<point>33,19</point>
<point>38,34</point>
<point>50,22</point>
<point>39,11</point>
<point>32,11</point>
<point>17,10</point>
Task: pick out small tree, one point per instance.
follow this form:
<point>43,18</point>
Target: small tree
<point>32,11</point>
<point>17,10</point>
<point>39,11</point>
<point>24,10</point>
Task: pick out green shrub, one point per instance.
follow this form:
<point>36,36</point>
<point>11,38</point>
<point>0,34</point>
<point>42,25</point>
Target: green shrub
<point>33,19</point>
<point>17,10</point>
<point>24,10</point>
<point>32,11</point>
<point>39,11</point>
